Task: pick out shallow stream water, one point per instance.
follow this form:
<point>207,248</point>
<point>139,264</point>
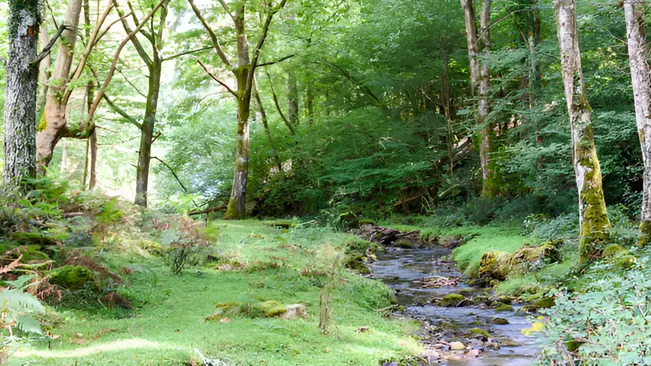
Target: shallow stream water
<point>401,269</point>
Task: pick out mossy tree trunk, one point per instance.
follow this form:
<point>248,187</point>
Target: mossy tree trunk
<point>21,90</point>
<point>637,54</point>
<point>593,217</point>
<point>479,42</point>
<point>292,98</point>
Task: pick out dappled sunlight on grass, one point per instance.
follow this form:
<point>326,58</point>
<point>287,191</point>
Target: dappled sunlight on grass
<point>120,345</point>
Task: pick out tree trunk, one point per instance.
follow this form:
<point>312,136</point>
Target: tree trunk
<point>593,218</point>
<point>237,204</point>
<point>43,70</point>
<point>265,124</point>
<point>637,54</point>
<point>292,98</point>
<point>480,83</point>
<point>147,132</point>
<point>21,88</point>
<point>446,108</point>
<point>52,126</point>
<point>309,103</point>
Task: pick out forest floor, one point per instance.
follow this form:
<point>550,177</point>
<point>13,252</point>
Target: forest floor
<point>263,263</point>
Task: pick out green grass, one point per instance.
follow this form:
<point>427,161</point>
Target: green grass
<point>168,321</point>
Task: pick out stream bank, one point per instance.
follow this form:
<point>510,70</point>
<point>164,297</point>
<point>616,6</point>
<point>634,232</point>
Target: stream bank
<point>461,325</point>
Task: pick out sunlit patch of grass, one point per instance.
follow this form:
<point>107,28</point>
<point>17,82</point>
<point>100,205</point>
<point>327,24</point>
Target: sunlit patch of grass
<point>171,310</point>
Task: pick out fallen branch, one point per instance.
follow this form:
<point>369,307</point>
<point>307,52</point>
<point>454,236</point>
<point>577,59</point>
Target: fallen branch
<point>208,210</point>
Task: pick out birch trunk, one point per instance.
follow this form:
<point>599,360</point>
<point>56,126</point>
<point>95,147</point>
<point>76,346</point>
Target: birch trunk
<point>21,89</point>
<point>52,126</point>
<point>593,218</point>
<point>637,54</point>
<point>480,84</point>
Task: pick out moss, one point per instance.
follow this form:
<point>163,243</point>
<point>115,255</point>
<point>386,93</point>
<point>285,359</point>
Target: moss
<point>613,250</point>
<point>594,226</point>
<point>498,265</point>
<point>625,261</point>
<point>478,331</point>
<point>357,262</point>
<point>404,244</point>
<point>72,277</point>
<point>504,307</point>
<point>500,321</point>
<point>645,233</point>
<point>478,300</point>
<point>151,247</point>
<point>271,309</point>
<point>451,300</point>
<point>544,303</point>
<point>231,211</point>
<point>366,222</point>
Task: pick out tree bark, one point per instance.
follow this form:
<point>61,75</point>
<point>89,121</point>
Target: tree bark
<point>237,203</point>
<point>147,132</point>
<point>637,54</point>
<point>265,124</point>
<point>593,218</point>
<point>480,83</point>
<point>52,126</point>
<point>446,108</point>
<point>21,89</point>
<point>292,98</point>
<point>43,72</point>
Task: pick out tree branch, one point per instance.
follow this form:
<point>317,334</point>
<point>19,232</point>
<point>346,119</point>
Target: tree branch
<point>48,47</point>
<point>134,39</point>
<point>217,80</point>
<point>116,57</point>
<point>122,112</point>
<point>135,21</point>
<point>263,37</point>
<point>213,36</point>
<point>276,62</point>
<point>186,53</point>
<point>228,10</point>
<point>292,130</point>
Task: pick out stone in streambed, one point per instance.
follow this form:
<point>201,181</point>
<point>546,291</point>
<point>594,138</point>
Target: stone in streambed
<point>451,300</point>
<point>500,321</point>
<point>457,346</point>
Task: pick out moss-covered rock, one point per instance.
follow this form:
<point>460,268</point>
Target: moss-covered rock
<point>498,265</point>
<point>357,263</point>
<point>406,244</point>
<point>544,303</point>
<point>72,277</point>
<point>613,250</point>
<point>451,300</point>
<point>478,332</point>
<point>500,321</point>
<point>626,261</point>
<point>504,307</point>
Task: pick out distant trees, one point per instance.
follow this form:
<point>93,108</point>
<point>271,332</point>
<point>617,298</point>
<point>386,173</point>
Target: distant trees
<point>593,218</point>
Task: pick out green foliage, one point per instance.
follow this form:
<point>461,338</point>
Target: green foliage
<point>604,325</point>
<point>72,277</point>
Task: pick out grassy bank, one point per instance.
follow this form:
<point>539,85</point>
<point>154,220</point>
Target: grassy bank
<point>258,263</point>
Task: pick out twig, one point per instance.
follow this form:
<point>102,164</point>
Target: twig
<point>277,61</point>
<point>217,80</point>
<point>48,47</point>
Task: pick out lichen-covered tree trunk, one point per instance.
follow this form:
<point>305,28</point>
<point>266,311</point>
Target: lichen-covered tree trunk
<point>292,98</point>
<point>593,218</point>
<point>480,82</point>
<point>52,126</point>
<point>637,54</point>
<point>147,132</point>
<point>21,88</point>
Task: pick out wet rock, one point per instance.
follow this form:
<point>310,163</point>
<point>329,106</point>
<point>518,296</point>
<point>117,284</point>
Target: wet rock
<point>451,300</point>
<point>478,332</point>
<point>500,321</point>
<point>504,307</point>
<point>430,355</point>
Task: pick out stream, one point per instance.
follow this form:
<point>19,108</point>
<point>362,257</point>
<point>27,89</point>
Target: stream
<point>404,269</point>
